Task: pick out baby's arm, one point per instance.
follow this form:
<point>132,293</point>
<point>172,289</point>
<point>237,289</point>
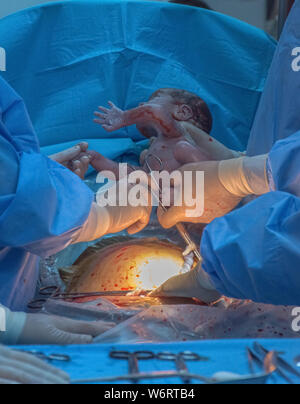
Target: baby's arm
<point>146,114</point>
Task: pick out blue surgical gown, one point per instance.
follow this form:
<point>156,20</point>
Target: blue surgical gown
<point>254,252</point>
<point>42,204</point>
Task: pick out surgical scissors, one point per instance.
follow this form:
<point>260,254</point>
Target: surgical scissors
<point>50,357</point>
<point>55,293</point>
<point>191,245</point>
<point>180,361</point>
<point>133,359</point>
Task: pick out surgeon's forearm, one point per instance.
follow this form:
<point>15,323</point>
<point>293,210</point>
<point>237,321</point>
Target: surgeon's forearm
<point>96,226</point>
<point>253,253</point>
<point>13,323</point>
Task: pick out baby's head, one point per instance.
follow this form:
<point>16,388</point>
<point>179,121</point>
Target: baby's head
<point>185,106</point>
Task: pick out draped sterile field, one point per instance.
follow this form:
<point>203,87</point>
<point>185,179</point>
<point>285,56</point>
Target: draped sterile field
<point>66,59</point>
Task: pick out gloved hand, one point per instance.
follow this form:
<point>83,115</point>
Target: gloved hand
<point>42,329</point>
<point>217,200</point>
<point>21,368</point>
<point>114,219</point>
<point>76,159</point>
<point>226,183</point>
<point>193,284</point>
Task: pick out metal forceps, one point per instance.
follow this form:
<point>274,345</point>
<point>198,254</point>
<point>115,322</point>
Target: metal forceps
<point>133,359</point>
<point>180,361</point>
<point>55,293</point>
<point>191,245</point>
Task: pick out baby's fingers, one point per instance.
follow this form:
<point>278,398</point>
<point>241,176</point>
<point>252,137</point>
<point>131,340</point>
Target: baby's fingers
<point>111,104</point>
<point>100,115</point>
<point>100,121</point>
<point>103,109</point>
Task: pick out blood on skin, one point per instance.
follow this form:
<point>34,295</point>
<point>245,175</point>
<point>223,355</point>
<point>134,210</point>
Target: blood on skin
<point>121,270</point>
<point>143,113</point>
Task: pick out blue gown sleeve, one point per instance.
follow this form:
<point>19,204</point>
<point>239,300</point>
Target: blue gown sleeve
<point>16,125</point>
<point>42,204</point>
<point>48,208</point>
<point>284,165</point>
<point>253,253</point>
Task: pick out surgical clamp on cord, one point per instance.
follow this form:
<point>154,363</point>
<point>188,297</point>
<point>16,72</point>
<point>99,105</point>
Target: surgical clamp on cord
<point>191,245</point>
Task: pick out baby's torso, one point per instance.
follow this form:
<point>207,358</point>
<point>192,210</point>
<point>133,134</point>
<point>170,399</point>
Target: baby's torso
<point>162,150</point>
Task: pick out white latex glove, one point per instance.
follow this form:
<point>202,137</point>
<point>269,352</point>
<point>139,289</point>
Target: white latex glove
<point>194,284</point>
<point>111,220</point>
<point>226,183</point>
<point>40,329</point>
<point>245,176</point>
<point>217,200</point>
<point>239,174</point>
<point>20,368</point>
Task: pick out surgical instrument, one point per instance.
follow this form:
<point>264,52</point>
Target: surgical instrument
<point>257,379</point>
<point>257,358</point>
<point>54,292</point>
<point>269,364</point>
<point>133,359</point>
<point>251,359</point>
<point>180,361</point>
<point>281,362</point>
<point>191,245</point>
<point>261,354</point>
<point>51,357</point>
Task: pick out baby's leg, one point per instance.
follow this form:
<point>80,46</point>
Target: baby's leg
<point>186,153</point>
<point>101,163</point>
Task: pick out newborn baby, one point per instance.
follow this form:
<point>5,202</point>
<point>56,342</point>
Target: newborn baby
<point>177,122</point>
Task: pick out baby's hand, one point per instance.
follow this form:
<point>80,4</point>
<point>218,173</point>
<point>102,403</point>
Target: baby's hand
<point>110,119</point>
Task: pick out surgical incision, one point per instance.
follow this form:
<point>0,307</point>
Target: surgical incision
<point>143,264</point>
